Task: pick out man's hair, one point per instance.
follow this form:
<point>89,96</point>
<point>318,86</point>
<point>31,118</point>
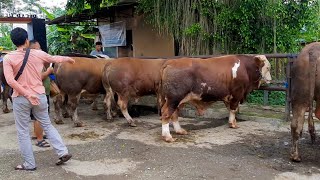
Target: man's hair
<point>33,41</point>
<point>98,43</point>
<point>18,36</point>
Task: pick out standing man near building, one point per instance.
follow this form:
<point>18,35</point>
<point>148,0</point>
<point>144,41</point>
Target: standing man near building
<point>29,94</point>
<point>98,50</point>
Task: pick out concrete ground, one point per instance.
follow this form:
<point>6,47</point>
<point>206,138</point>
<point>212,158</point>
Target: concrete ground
<point>103,149</point>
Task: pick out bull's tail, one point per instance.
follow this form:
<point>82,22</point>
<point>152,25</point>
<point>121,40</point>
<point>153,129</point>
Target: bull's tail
<point>313,58</point>
<point>160,95</point>
<point>106,85</point>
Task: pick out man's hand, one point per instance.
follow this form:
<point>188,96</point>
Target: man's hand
<point>34,99</point>
<point>70,60</point>
<point>49,70</point>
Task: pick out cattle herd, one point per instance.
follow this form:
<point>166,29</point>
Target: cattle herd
<point>175,82</point>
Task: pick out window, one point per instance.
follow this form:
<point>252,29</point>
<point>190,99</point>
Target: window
<point>112,52</point>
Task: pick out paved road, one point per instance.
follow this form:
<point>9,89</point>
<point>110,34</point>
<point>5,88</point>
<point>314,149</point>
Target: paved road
<point>259,149</point>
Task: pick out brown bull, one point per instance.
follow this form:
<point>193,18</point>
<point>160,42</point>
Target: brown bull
<point>72,79</point>
<point>130,78</point>
<point>204,81</point>
<point>305,89</point>
<point>6,91</point>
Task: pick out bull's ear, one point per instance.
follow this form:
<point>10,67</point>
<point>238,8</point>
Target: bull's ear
<point>259,60</point>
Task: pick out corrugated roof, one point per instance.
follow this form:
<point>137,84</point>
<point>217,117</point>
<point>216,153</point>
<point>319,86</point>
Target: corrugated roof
<point>88,16</point>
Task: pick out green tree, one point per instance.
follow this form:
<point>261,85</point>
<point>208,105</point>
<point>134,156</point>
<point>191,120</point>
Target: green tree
<point>5,6</point>
<point>77,6</point>
<point>66,39</point>
<point>233,26</point>
<point>30,6</point>
<point>5,41</point>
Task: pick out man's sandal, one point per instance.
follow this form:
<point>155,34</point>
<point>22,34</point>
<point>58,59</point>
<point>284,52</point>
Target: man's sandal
<point>44,137</point>
<point>63,159</point>
<point>43,143</point>
<point>21,167</point>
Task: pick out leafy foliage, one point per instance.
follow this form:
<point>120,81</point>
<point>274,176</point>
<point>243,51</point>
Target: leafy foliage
<point>77,6</point>
<point>65,39</point>
<point>5,5</point>
<point>29,6</point>
<point>274,97</point>
<point>235,26</point>
<point>5,41</point>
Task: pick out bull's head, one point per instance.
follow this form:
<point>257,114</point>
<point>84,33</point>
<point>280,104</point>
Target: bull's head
<point>265,69</point>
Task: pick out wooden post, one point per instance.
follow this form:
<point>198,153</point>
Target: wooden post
<point>288,90</point>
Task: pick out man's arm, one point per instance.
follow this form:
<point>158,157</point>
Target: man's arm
<point>53,59</point>
<point>8,73</point>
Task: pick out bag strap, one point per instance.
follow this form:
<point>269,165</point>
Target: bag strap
<point>25,59</point>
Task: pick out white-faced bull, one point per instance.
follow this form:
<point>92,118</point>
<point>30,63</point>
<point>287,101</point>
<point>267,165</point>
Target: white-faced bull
<point>204,81</point>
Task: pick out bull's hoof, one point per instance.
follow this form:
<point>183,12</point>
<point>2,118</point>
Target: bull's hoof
<point>66,115</point>
<point>168,139</point>
<point>313,139</point>
<point>58,121</point>
<point>233,126</point>
<point>94,108</point>
<point>109,117</point>
<point>295,158</point>
<point>132,124</point>
<point>182,132</point>
<point>6,110</point>
<point>78,124</point>
<point>114,114</point>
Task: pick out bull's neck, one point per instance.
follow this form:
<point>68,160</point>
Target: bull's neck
<point>253,73</point>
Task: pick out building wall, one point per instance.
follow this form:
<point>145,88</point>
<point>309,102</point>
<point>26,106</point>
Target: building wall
<point>145,41</point>
<point>148,42</point>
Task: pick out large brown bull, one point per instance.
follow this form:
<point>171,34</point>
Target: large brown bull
<point>72,79</point>
<point>204,81</point>
<point>130,78</point>
<point>305,89</point>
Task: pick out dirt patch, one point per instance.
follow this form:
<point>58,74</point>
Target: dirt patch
<point>101,167</point>
<point>85,135</point>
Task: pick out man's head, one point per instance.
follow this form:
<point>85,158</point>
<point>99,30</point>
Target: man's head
<point>98,46</point>
<point>19,37</point>
<point>34,44</point>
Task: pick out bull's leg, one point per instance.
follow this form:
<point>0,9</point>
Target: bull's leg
<point>108,103</point>
<point>73,103</point>
<point>232,115</point>
<point>296,129</point>
<point>66,107</point>
<point>165,118</point>
<point>160,102</point>
<point>94,105</point>
<point>311,124</point>
<point>6,96</point>
<point>123,104</point>
<point>311,128</point>
<point>201,109</point>
<point>232,119</point>
<point>176,124</point>
<point>57,103</point>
